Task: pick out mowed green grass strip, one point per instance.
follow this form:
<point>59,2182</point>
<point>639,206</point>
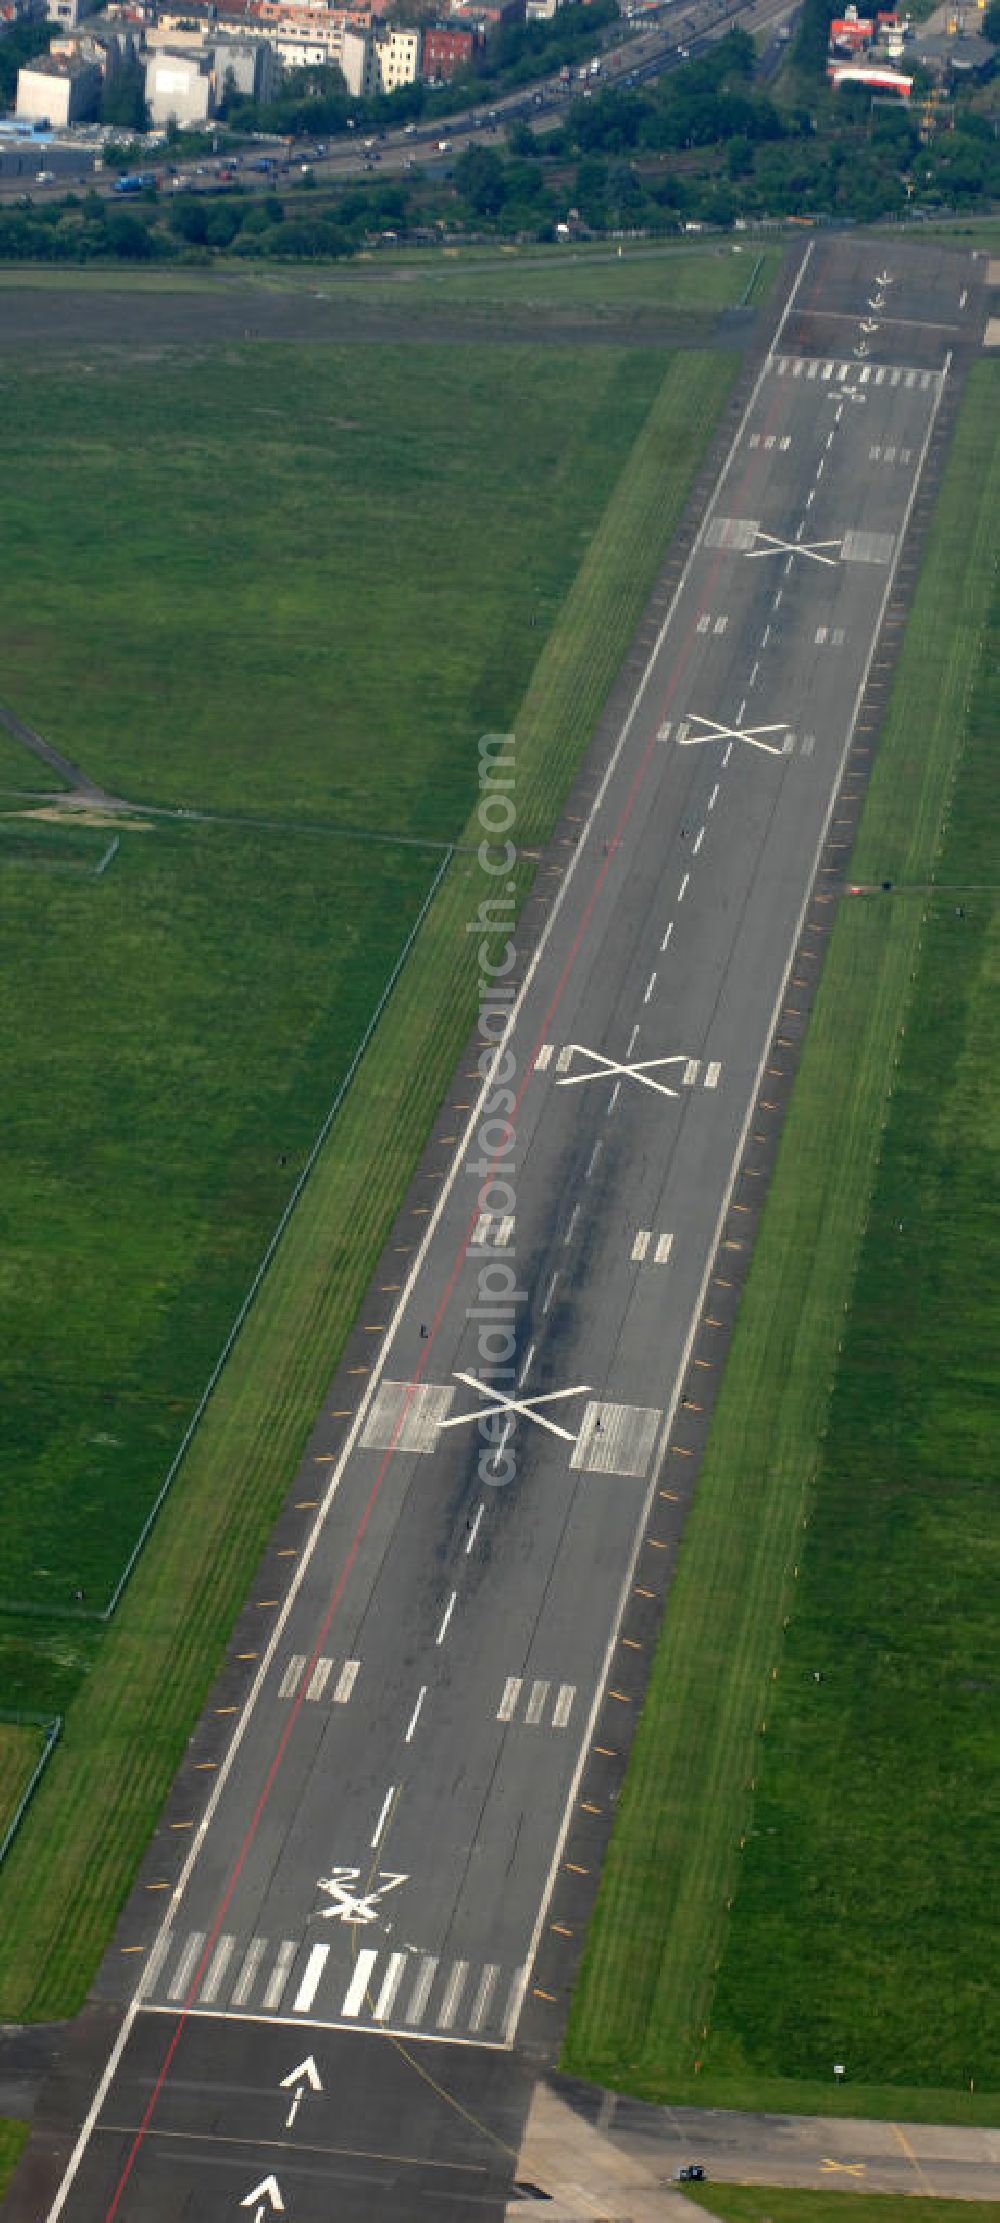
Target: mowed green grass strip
<point>773,2203</point>
<point>20,1748</point>
<point>13,2139</point>
<point>869,1810</point>
<point>594,277</point>
<point>125,1733</point>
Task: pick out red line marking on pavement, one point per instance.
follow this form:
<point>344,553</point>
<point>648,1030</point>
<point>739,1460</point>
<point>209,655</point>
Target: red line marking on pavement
<point>356,1542</point>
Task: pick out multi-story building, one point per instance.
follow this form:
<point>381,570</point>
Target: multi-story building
<point>58,89</point>
<point>247,66</point>
<point>379,60</point>
<point>447,48</point>
<point>179,86</point>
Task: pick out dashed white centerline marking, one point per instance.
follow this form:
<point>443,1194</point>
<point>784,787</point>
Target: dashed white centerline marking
<point>819,468</point>
<point>726,754</point>
<point>739,714</point>
<point>574,1216</point>
<point>594,1155</point>
<point>448,1611</point>
<point>754,673</point>
<point>550,1293</point>
<point>474,1530</point>
<point>682,890</point>
<point>387,1801</point>
<point>530,1353</point>
<point>713,799</point>
<point>698,839</point>
<point>650,985</point>
<point>415,1716</point>
<point>615,1093</point>
<point>667,935</point>
<point>765,636</point>
<point>632,1040</point>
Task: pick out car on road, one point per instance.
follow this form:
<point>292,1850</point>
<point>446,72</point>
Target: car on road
<point>691,2173</point>
<point>44,177</point>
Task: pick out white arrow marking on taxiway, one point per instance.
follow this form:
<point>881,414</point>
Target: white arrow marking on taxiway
<point>306,2074</point>
<point>268,2194</point>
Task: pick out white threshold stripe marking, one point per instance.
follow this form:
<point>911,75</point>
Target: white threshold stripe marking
<point>536,1704</point>
<point>452,1994</point>
<point>380,1824</point>
<point>415,1716</point>
<point>641,1245</point>
<point>289,1681</point>
<point>520,1977</point>
<point>355,1993</point>
<point>186,1965</point>
<point>511,1693</point>
<point>422,1988</point>
<point>712,1071</point>
<point>390,1985</point>
<point>474,1531</point>
<point>310,1981</point>
<point>663,1249</point>
<point>690,1073</point>
<point>217,1968</point>
<point>544,1057</point>
<point>487,1986</point>
<point>563,1705</point>
<point>448,1611</point>
<point>280,1973</point>
<point>248,1973</point>
<point>319,1678</point>
<point>345,1682</point>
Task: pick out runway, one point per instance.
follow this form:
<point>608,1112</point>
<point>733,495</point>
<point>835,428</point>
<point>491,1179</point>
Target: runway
<point>491,1504</point>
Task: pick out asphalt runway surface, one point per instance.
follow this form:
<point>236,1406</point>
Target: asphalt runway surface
<point>357,1958</point>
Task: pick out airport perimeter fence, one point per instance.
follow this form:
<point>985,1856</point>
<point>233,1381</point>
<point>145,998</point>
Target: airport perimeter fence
<point>22,1718</point>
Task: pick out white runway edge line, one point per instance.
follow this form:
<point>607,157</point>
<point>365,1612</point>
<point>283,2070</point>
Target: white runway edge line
<point>670,1411</point>
<point>371,1389</point>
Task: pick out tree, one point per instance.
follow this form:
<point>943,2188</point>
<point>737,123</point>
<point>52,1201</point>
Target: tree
<point>123,98</point>
<point>480,180</point>
<point>127,236</point>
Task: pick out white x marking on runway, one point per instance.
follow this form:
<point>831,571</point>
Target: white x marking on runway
<point>754,736</point>
<point>605,1068</point>
<point>498,1402</point>
<point>772,546</point>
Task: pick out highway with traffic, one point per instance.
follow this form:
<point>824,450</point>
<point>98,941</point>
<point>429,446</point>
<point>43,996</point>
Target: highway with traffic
<point>343,1955</point>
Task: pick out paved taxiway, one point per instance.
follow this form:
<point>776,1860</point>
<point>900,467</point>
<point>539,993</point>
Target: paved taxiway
<point>379,1850</point>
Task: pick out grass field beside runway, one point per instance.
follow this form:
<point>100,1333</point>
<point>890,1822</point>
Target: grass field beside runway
<point>594,277</point>
<point>798,1873</point>
<point>323,571</point>
<point>175,1033</point>
<point>774,2203</point>
<point>13,2139</point>
<point>142,1688</point>
<point>20,1750</point>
